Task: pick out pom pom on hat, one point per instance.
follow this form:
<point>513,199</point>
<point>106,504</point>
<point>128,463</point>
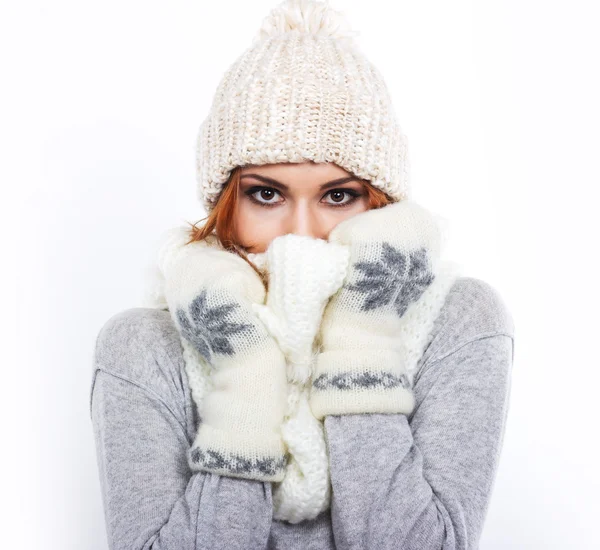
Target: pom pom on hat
<point>306,16</point>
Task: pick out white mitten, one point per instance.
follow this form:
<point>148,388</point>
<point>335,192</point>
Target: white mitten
<point>210,293</point>
<point>368,325</point>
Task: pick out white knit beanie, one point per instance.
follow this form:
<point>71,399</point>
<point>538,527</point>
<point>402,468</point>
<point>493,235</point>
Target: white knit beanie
<point>302,92</point>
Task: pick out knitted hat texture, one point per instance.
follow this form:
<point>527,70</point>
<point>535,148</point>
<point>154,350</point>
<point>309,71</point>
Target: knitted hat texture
<point>302,92</point>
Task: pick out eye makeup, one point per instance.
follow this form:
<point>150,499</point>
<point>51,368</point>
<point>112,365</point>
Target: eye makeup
<point>251,193</point>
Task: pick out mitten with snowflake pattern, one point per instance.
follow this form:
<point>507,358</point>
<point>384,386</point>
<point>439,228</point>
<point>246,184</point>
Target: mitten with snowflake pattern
<point>394,253</point>
<point>210,293</point>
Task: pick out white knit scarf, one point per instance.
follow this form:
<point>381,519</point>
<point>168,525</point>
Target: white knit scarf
<point>305,491</point>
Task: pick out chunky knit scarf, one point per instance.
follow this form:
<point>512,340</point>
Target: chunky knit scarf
<point>305,491</point>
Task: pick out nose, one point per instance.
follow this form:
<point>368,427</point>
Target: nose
<point>303,221</point>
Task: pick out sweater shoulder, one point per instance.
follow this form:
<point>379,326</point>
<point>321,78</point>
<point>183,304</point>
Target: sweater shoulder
<point>142,346</point>
<point>473,309</point>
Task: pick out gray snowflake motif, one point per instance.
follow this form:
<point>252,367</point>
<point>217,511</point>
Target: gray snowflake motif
<point>396,278</point>
<point>208,329</point>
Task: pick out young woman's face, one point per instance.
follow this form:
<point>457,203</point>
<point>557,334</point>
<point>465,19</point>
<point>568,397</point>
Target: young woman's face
<point>302,198</point>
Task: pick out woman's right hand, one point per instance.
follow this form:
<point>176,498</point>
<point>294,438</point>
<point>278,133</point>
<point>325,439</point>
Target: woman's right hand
<point>210,292</point>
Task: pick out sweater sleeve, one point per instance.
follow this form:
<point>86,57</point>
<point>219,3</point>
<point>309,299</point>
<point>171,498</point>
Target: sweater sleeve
<point>425,480</point>
<point>152,500</point>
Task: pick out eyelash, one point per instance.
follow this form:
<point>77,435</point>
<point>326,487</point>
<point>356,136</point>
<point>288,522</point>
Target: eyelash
<point>253,190</point>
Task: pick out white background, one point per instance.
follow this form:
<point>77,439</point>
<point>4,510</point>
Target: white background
<point>100,105</point>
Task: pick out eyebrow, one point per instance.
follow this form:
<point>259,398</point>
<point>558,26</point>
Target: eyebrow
<point>280,185</point>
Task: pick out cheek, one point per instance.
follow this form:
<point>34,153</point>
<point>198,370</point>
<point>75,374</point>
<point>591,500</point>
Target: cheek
<point>256,229</point>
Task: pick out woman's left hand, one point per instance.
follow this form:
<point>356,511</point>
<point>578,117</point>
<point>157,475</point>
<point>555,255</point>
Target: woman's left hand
<point>394,252</point>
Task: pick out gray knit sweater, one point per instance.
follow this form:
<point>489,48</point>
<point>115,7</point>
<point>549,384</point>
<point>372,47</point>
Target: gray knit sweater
<point>416,482</point>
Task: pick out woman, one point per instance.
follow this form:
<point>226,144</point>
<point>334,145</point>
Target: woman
<point>317,377</point>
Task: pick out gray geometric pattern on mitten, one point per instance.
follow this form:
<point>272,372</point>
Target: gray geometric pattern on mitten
<point>365,380</point>
<point>208,330</point>
<point>396,279</point>
<point>237,464</point>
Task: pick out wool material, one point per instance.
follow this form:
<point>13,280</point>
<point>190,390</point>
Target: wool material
<point>304,276</point>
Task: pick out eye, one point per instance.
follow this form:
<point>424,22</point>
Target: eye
<point>263,195</point>
<point>342,197</point>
